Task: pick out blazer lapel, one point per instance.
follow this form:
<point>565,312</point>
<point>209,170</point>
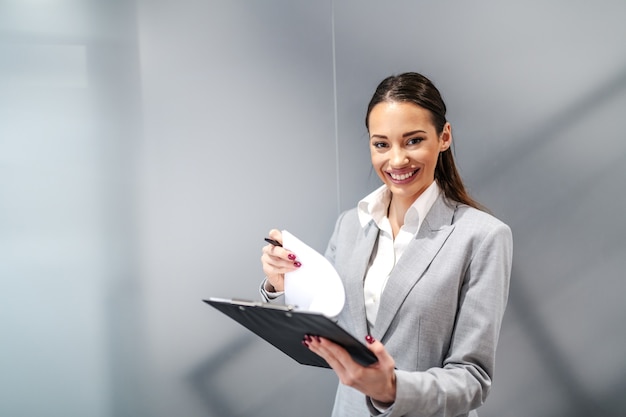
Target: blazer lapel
<point>354,281</point>
<point>433,233</point>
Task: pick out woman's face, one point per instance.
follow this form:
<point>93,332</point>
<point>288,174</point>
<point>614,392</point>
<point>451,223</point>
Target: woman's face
<point>404,146</point>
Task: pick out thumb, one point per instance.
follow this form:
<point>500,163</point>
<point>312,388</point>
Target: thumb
<point>379,350</point>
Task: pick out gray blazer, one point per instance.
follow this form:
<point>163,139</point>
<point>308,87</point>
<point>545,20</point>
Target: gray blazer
<point>440,312</point>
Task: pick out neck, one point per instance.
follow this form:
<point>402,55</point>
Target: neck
<point>396,212</point>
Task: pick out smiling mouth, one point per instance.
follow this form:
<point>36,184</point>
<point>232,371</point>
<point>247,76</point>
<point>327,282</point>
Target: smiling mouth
<point>402,177</point>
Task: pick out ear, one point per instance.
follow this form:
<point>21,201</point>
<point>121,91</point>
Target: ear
<point>446,138</point>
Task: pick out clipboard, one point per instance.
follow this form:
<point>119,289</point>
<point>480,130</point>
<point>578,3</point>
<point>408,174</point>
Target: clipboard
<point>284,327</point>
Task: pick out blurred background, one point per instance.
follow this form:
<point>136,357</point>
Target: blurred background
<point>146,148</point>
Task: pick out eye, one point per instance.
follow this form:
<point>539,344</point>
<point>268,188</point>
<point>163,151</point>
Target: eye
<point>379,145</point>
<point>414,141</point>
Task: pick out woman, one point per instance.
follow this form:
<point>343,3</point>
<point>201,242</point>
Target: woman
<point>426,270</point>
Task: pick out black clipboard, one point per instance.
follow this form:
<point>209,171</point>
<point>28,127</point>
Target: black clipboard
<point>285,327</point>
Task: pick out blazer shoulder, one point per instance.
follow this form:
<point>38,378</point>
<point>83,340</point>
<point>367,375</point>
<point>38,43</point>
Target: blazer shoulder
<point>472,218</point>
<point>348,219</point>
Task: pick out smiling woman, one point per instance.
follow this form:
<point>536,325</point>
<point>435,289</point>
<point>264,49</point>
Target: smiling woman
<point>405,148</point>
<point>426,272</point>
<point>414,88</point>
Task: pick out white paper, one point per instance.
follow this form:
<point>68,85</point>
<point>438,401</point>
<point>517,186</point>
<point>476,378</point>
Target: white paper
<point>316,285</point>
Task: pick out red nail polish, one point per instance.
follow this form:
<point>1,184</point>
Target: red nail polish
<point>297,264</point>
<point>317,338</point>
<point>369,339</point>
<point>305,344</point>
<point>291,257</point>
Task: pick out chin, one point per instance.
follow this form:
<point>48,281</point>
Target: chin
<point>413,190</point>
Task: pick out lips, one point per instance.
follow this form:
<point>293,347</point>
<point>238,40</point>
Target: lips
<point>402,177</point>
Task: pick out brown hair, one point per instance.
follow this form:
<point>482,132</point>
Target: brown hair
<point>414,88</point>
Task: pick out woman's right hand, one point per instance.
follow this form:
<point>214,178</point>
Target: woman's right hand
<point>276,262</point>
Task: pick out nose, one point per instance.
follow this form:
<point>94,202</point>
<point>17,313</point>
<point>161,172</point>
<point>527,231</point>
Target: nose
<point>398,157</point>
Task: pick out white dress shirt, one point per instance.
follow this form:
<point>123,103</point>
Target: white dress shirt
<point>388,250</point>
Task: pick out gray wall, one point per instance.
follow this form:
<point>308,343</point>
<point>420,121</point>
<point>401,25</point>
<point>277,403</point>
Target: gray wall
<point>146,149</point>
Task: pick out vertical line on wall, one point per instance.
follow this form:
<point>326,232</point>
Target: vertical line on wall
<point>332,29</point>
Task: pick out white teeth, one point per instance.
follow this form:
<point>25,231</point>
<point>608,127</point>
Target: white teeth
<point>401,177</point>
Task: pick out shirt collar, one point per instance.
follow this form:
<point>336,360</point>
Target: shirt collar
<point>375,205</point>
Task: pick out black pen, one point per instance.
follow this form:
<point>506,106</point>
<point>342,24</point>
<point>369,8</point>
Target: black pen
<point>273,242</point>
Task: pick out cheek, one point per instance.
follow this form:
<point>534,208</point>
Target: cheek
<point>377,165</point>
<point>375,158</point>
<point>427,156</point>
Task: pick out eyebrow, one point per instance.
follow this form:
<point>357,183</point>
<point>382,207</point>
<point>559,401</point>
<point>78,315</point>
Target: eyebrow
<point>404,135</point>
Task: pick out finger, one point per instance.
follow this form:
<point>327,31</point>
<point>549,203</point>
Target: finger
<point>276,235</point>
<point>280,252</point>
<point>336,356</point>
<point>275,253</point>
<point>279,260</point>
<point>270,267</point>
<point>269,250</point>
<point>284,259</point>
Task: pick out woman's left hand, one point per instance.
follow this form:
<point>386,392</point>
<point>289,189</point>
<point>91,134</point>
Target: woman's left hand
<point>378,381</point>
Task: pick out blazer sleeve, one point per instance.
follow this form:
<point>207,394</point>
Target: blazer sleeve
<point>462,384</point>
